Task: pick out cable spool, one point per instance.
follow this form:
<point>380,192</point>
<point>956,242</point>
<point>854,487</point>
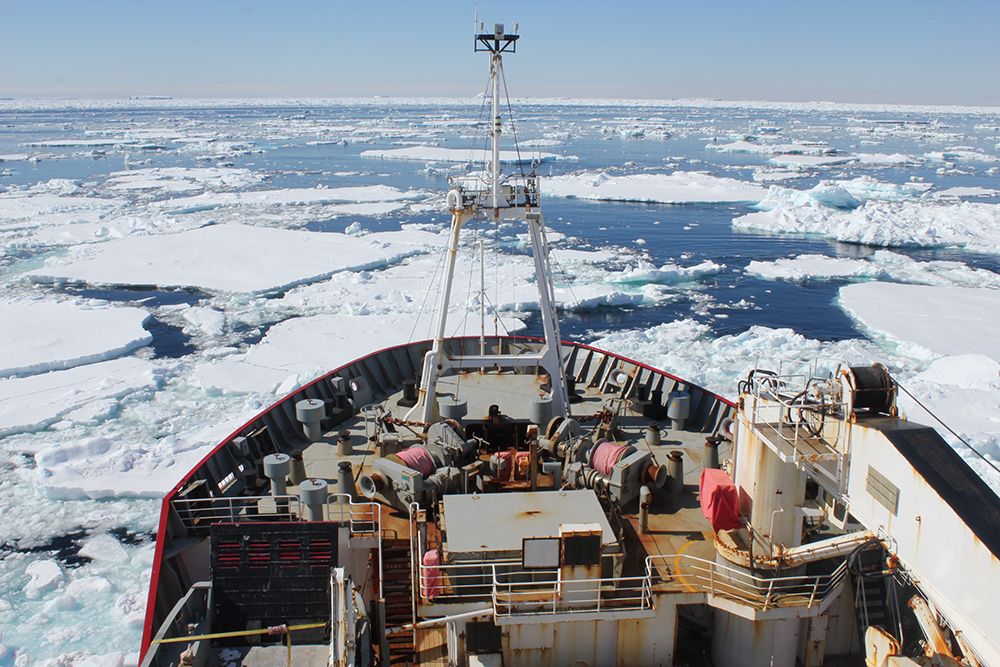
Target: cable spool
<point>874,389</point>
<point>418,459</point>
<point>606,454</point>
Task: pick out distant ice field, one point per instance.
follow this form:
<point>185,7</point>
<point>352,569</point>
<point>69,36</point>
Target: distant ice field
<point>199,248</point>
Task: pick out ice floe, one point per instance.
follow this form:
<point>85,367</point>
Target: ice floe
<point>300,349</point>
<point>83,395</point>
<point>967,191</point>
<point>882,265</point>
<point>294,197</point>
<point>944,320</point>
<point>462,155</point>
<point>975,226</point>
<point>671,273</point>
<point>679,187</point>
<point>40,336</point>
<point>182,179</point>
<point>226,258</point>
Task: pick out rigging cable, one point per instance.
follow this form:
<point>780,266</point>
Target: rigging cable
<point>949,429</point>
<point>510,115</point>
<point>430,286</point>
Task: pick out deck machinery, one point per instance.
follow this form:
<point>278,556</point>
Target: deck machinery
<point>537,502</point>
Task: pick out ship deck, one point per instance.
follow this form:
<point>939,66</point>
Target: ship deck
<point>676,524</point>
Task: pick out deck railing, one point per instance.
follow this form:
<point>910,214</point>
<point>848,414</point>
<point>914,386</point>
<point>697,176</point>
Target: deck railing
<point>513,591</point>
<point>697,575</point>
<point>805,412</point>
<point>363,517</point>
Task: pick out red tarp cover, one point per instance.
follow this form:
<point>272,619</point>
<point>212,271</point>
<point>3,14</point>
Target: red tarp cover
<point>719,500</point>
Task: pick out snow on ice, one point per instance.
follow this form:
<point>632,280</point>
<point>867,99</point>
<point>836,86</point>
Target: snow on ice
<point>944,320</point>
<point>85,394</point>
<point>40,336</point>
<point>225,258</point>
<point>679,187</point>
<point>462,155</point>
<point>882,265</point>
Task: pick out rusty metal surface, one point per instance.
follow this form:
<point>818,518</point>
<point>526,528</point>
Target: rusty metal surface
<point>501,521</point>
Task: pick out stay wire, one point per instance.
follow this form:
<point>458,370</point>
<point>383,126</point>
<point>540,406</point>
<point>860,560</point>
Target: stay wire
<point>430,287</point>
<point>949,429</point>
<point>510,115</point>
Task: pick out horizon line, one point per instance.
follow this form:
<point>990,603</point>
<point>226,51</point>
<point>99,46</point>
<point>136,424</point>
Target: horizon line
<point>8,103</point>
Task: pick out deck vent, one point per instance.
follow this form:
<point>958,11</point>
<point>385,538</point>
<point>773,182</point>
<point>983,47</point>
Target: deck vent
<point>882,490</point>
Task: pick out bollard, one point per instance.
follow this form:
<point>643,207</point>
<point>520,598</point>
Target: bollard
<point>652,435</point>
<point>452,408</point>
<point>311,412</point>
<point>540,410</point>
<point>675,468</point>
<point>313,494</point>
<point>645,500</point>
<point>710,458</point>
<point>345,480</point>
<point>276,467</point>
<point>344,446</point>
<point>678,409</point>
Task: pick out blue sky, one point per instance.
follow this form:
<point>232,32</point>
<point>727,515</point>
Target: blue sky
<point>841,50</point>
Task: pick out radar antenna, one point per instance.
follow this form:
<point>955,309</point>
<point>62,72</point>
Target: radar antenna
<point>494,196</point>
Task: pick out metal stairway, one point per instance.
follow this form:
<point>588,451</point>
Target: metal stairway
<point>398,590</point>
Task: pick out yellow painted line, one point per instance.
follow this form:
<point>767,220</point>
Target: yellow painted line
<point>677,568</point>
<point>240,633</point>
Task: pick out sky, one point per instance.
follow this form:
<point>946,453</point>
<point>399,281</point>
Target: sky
<point>881,51</point>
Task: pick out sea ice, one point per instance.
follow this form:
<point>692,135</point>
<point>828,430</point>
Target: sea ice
<point>45,576</point>
<point>669,274</point>
<point>841,194</point>
<point>102,467</point>
<point>944,320</point>
<point>33,403</point>
<point>975,226</point>
<point>364,194</point>
<point>967,191</point>
<point>462,155</point>
<point>883,264</point>
<point>40,336</point>
<point>182,179</point>
<point>679,187</point>
<point>300,349</point>
<point>226,258</point>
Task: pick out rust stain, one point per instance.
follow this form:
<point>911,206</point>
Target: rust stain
<point>529,513</point>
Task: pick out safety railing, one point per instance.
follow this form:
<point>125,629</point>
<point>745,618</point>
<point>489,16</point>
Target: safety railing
<point>363,517</point>
<point>203,512</point>
<point>470,581</point>
<point>696,575</point>
<point>571,596</point>
<point>513,591</point>
<point>803,411</point>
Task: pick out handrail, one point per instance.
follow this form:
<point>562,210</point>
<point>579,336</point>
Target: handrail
<point>784,403</point>
<point>695,574</point>
<point>363,517</point>
<point>517,592</point>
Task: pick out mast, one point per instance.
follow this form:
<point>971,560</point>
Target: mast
<point>496,197</point>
